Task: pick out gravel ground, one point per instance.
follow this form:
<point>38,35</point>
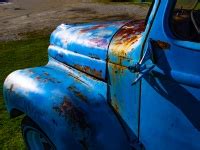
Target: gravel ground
<point>20,17</point>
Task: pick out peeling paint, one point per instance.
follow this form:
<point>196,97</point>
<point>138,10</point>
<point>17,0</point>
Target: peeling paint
<point>78,93</point>
<point>125,38</point>
<point>88,70</point>
<point>72,113</point>
<point>161,45</point>
<point>115,105</point>
<point>46,78</point>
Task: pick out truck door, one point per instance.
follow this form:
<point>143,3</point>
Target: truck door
<point>170,94</point>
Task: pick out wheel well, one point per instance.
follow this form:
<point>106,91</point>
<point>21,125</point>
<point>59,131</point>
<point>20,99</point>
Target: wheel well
<point>15,113</point>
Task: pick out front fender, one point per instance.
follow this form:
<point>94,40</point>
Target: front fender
<point>69,106</point>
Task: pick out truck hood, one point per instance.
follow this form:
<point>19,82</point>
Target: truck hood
<point>84,46</point>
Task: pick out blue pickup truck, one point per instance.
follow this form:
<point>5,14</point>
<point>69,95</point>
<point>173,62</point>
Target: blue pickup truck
<point>124,85</point>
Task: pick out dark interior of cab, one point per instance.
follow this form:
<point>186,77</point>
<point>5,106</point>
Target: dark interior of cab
<point>185,24</point>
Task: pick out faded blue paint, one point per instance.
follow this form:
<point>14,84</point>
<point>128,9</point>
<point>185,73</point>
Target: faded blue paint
<point>84,97</point>
<point>63,100</point>
<point>84,46</point>
<point>170,96</point>
<point>124,96</point>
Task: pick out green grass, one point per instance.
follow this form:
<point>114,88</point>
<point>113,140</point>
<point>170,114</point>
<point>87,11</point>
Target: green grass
<point>17,55</point>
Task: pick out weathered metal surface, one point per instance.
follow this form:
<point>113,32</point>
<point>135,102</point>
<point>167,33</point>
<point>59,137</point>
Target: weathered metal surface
<point>84,46</point>
<point>91,66</point>
<point>162,45</point>
<point>170,97</point>
<point>124,41</point>
<point>77,110</point>
<point>124,97</point>
<point>68,105</point>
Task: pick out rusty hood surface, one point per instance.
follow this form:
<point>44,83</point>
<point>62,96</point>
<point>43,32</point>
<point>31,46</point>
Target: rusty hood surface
<point>85,46</point>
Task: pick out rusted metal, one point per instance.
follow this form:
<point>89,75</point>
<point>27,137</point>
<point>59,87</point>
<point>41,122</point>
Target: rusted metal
<point>86,43</point>
<point>45,78</point>
<point>124,39</point>
<point>115,105</point>
<point>88,70</point>
<point>76,119</point>
<point>65,106</point>
<point>72,113</point>
<point>84,97</point>
<point>161,45</point>
<point>78,94</point>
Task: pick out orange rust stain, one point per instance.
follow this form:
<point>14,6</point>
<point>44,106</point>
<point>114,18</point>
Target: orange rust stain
<point>125,38</point>
<point>78,94</point>
<point>161,44</point>
<point>72,113</point>
<point>46,78</point>
<point>117,72</point>
<point>118,69</point>
<point>115,106</point>
<point>88,70</point>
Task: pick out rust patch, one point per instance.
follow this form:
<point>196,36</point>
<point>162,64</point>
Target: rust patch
<point>117,69</point>
<point>72,113</point>
<point>129,34</point>
<point>78,94</point>
<point>115,106</point>
<point>88,70</point>
<point>161,45</point>
<point>46,79</point>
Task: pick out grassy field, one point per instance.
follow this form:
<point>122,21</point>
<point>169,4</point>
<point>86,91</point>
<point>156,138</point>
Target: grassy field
<point>17,55</point>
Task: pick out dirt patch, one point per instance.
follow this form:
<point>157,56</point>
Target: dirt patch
<point>21,16</point>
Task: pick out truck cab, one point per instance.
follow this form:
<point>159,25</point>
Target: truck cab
<point>115,85</point>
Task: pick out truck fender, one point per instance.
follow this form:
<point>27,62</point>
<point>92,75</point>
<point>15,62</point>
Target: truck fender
<point>69,106</point>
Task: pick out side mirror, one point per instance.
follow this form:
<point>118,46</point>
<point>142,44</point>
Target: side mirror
<point>145,65</point>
